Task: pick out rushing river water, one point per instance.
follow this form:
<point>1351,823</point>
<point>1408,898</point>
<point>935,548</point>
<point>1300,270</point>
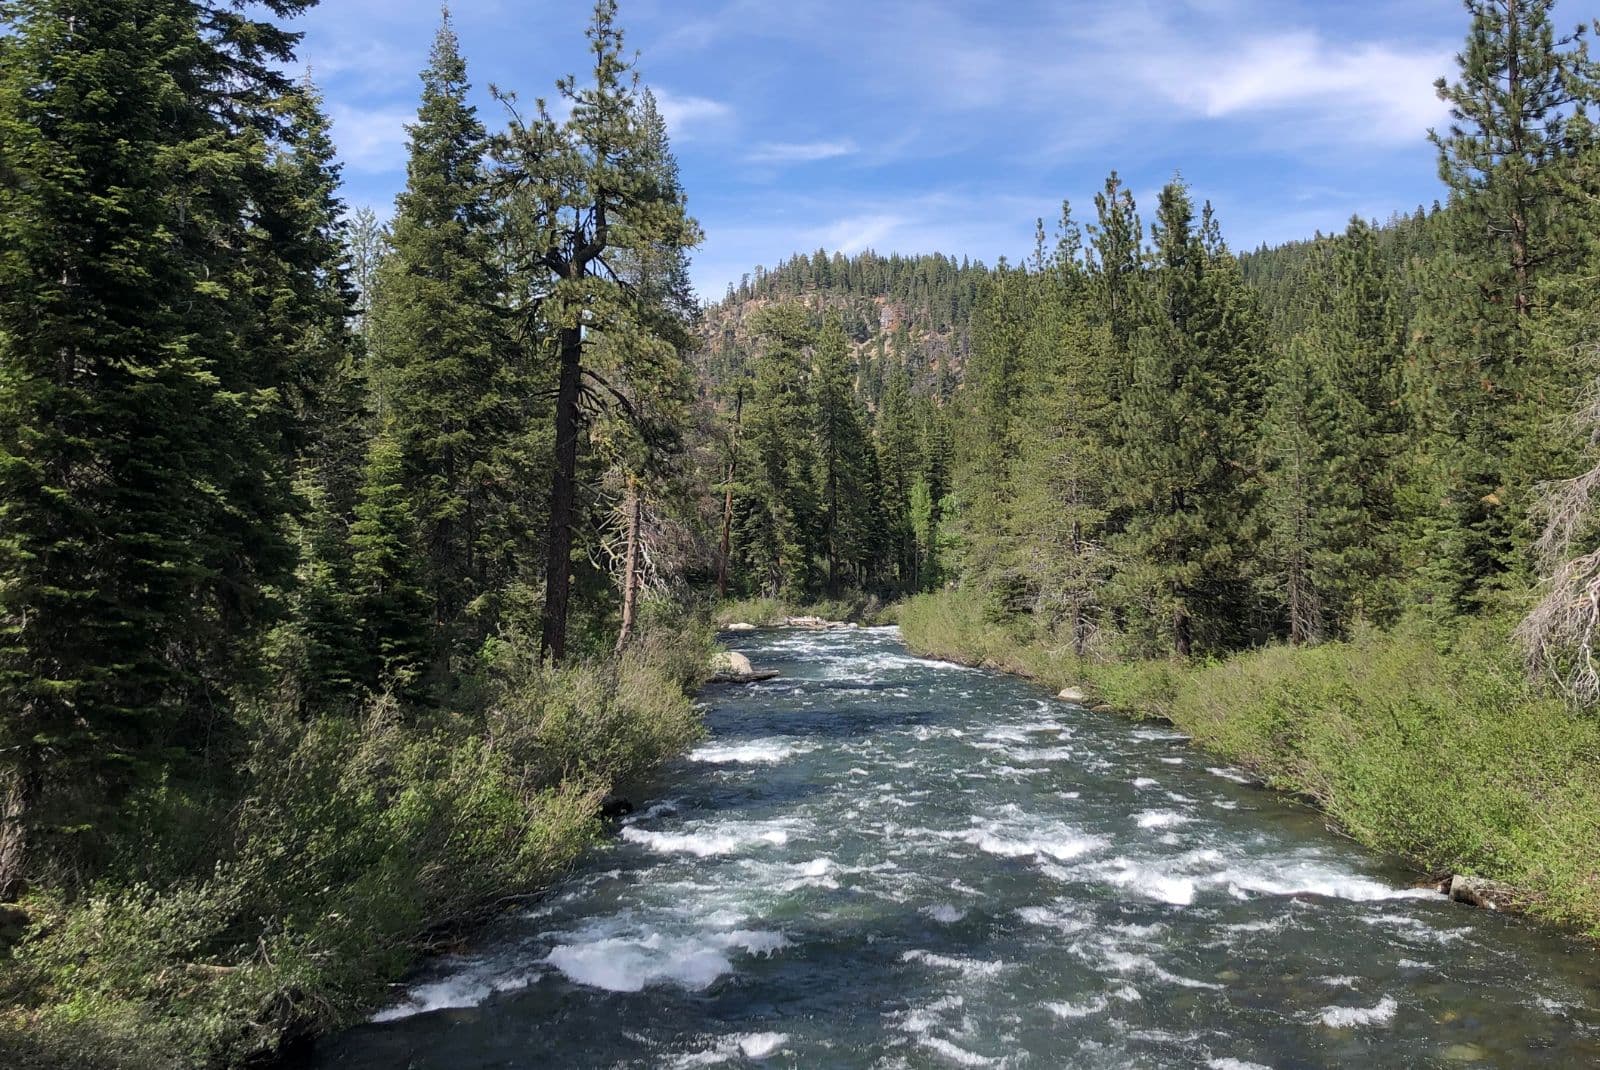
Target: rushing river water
<point>882,861</point>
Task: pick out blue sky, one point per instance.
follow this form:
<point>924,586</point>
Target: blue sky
<point>950,125</point>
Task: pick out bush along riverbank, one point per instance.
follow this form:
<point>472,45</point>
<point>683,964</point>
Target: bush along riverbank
<point>1427,742</point>
<point>258,914</point>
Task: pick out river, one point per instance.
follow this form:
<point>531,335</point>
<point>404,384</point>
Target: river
<point>883,861</point>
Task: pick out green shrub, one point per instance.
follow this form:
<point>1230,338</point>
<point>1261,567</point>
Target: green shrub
<point>348,846</point>
<point>1422,741</point>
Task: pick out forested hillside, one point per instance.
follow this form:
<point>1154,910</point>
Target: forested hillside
<point>1354,474</point>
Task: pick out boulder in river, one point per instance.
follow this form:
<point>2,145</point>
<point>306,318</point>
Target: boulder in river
<point>732,667</point>
<point>742,626</point>
<point>731,661</point>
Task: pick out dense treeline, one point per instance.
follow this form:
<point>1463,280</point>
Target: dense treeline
<point>1160,447</point>
<point>322,543</point>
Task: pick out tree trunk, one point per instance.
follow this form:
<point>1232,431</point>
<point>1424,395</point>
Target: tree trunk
<point>558,565</point>
<point>727,531</point>
<point>1182,637</point>
<point>727,500</point>
<point>630,569</point>
<point>13,833</point>
<point>1518,137</point>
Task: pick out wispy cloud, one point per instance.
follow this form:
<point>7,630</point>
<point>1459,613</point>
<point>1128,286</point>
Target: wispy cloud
<point>1359,91</point>
<point>371,139</point>
<point>800,151</point>
<point>915,125</point>
<point>686,115</point>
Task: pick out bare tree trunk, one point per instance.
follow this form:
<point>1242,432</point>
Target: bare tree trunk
<point>1518,138</point>
<point>630,569</point>
<point>558,565</point>
<point>727,531</point>
<point>13,832</point>
<point>1182,637</point>
<point>727,500</point>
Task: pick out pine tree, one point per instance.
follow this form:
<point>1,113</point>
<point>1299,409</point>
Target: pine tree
<point>640,365</point>
<point>848,484</point>
<point>329,469</point>
<point>152,360</point>
<point>390,605</point>
<point>989,447</point>
<point>777,511</point>
<point>1115,247</point>
<point>1183,453</point>
<point>900,462</point>
<point>443,366</point>
<point>583,191</point>
<point>1480,395</point>
<point>1058,518</point>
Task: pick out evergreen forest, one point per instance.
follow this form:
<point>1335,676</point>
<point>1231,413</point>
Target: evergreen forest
<point>352,565</point>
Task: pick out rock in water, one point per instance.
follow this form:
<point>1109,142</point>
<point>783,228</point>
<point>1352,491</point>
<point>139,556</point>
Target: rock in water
<point>615,806</point>
<point>1481,892</point>
<point>740,627</point>
<point>1072,694</point>
<point>731,663</point>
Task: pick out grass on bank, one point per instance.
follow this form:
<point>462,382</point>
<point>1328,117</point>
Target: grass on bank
<point>353,845</point>
<point>1431,744</point>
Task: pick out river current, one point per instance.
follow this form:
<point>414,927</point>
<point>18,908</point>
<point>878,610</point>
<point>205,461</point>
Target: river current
<point>882,861</point>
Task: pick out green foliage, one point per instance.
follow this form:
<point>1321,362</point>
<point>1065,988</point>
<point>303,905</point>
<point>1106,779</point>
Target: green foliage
<point>344,847</point>
<point>171,299</point>
<point>449,383</point>
<point>1430,743</point>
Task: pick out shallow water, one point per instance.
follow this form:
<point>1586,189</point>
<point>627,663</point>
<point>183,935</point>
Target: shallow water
<point>882,861</point>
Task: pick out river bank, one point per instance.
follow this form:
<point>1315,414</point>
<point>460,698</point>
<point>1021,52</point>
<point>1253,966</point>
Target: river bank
<point>254,917</point>
<point>879,860</point>
<point>1430,745</point>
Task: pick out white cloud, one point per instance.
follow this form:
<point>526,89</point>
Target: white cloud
<point>371,139</point>
<point>685,114</point>
<point>800,151</point>
<point>1365,90</point>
